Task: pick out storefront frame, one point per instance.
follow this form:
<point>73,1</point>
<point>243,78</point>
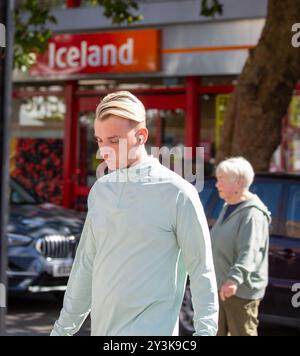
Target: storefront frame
<point>78,100</point>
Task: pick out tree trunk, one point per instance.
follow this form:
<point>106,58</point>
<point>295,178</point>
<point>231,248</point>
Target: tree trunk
<point>253,122</point>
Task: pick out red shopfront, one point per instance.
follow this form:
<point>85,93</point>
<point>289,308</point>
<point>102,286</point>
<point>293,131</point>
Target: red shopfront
<point>72,58</point>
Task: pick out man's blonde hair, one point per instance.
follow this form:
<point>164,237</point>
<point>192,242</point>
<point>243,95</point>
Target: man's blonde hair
<point>122,104</point>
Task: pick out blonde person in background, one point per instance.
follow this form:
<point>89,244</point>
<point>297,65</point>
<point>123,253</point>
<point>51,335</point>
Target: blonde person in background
<point>145,229</point>
<point>240,242</point>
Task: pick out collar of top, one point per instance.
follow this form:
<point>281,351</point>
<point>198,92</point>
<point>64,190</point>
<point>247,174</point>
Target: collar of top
<point>139,170</point>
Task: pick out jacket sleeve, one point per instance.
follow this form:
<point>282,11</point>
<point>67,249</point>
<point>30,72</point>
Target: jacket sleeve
<point>194,240</point>
<point>77,300</point>
<point>250,241</point>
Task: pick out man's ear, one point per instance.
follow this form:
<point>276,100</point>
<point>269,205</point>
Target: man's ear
<point>142,135</point>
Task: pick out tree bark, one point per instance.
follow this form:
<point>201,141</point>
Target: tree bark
<point>253,122</point>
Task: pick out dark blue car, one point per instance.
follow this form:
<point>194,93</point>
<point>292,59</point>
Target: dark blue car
<point>42,239</point>
<point>281,194</point>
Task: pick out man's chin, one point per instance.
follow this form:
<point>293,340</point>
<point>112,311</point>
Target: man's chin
<point>112,166</point>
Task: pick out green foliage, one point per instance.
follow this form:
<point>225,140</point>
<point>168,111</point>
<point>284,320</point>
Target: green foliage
<point>31,33</point>
<point>32,18</point>
<point>210,8</point>
<point>119,11</point>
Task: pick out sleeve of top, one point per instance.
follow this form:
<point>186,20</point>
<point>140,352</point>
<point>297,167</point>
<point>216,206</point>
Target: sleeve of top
<point>194,240</point>
<point>77,300</point>
<point>247,245</point>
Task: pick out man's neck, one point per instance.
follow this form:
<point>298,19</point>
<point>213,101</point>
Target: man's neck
<point>140,159</point>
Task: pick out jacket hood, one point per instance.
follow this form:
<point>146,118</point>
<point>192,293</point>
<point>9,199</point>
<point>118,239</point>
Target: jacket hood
<point>255,202</point>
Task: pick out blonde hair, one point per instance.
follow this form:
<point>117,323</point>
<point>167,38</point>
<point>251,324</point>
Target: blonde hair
<point>122,104</point>
<point>239,169</point>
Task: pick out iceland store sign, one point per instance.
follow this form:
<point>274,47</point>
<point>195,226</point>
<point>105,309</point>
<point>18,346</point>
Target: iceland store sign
<point>102,52</point>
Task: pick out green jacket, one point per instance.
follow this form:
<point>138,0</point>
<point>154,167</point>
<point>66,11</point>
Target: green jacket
<point>240,247</point>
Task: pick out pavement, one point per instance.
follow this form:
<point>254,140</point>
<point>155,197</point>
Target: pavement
<point>35,315</point>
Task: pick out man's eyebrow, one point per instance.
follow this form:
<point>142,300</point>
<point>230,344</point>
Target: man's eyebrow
<point>109,138</point>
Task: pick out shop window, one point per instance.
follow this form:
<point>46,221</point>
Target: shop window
<point>173,122</point>
<point>152,116</point>
<point>172,126</point>
<point>89,160</point>
<point>37,145</point>
<point>207,128</point>
<point>38,114</point>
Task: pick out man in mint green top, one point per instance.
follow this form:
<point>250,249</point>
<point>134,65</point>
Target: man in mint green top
<point>145,230</point>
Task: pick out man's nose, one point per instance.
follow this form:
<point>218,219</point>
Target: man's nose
<point>106,151</point>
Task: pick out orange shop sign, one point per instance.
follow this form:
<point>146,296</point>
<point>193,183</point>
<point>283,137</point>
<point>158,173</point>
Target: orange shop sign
<point>108,52</point>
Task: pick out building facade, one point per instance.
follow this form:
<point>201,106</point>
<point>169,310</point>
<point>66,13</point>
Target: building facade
<point>181,65</point>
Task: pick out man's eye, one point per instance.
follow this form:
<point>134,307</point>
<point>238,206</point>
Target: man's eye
<point>114,141</point>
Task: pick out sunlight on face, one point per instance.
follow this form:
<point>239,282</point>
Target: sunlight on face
<point>117,141</point>
<point>226,186</point>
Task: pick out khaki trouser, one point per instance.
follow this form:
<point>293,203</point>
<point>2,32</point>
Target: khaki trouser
<point>238,317</point>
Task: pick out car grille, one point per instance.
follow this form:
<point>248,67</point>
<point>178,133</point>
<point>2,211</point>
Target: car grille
<point>57,246</point>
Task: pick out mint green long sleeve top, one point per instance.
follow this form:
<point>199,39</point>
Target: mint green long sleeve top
<point>145,230</point>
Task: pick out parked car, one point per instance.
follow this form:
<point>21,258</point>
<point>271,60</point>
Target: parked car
<point>42,239</point>
<point>281,194</point>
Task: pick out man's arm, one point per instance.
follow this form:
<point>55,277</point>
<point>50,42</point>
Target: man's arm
<point>194,239</point>
<point>77,300</point>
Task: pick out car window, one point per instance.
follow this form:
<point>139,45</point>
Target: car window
<point>18,195</point>
<point>293,212</point>
<point>207,192</point>
<point>217,207</point>
<point>270,194</point>
<point>17,198</point>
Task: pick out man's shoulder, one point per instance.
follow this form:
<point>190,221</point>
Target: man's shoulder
<point>98,184</point>
<point>105,179</point>
<point>175,182</point>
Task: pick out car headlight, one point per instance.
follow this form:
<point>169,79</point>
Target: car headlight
<point>18,240</point>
